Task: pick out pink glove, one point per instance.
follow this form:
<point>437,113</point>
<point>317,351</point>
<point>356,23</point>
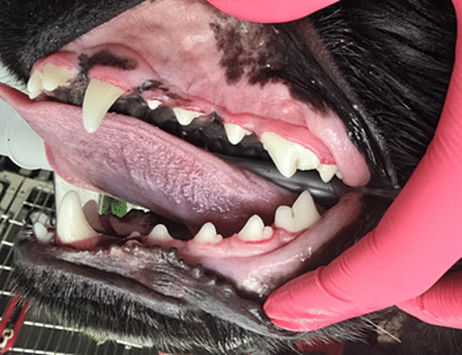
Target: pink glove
<point>417,241</point>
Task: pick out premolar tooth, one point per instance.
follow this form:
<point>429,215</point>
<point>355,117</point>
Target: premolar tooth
<point>301,216</point>
<point>54,76</point>
<point>185,117</point>
<point>99,97</point>
<point>327,172</point>
<point>72,224</point>
<point>255,230</point>
<point>160,233</point>
<point>34,85</point>
<point>235,133</point>
<point>288,156</point>
<point>208,234</point>
<point>153,104</point>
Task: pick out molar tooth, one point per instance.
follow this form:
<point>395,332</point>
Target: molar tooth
<point>153,104</point>
<point>72,225</point>
<point>160,233</point>
<point>288,156</point>
<point>255,230</point>
<point>235,133</point>
<point>34,85</point>
<point>327,172</point>
<point>208,234</point>
<point>99,97</point>
<point>185,117</point>
<point>301,216</point>
<point>54,76</point>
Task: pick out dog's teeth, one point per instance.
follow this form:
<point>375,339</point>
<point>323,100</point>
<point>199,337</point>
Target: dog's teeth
<point>288,156</point>
<point>208,234</point>
<point>327,172</point>
<point>72,224</point>
<point>34,85</point>
<point>185,117</point>
<point>99,97</point>
<point>41,233</point>
<point>339,175</point>
<point>153,104</point>
<point>255,230</point>
<point>54,76</point>
<point>235,133</point>
<point>160,233</point>
<point>301,216</point>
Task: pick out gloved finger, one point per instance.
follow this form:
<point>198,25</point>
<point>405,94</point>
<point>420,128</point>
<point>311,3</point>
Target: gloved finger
<point>440,305</point>
<point>270,11</point>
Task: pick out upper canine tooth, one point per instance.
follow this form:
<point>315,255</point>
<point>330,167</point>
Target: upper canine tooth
<point>54,76</point>
<point>34,85</point>
<point>185,117</point>
<point>153,104</point>
<point>288,156</point>
<point>235,133</point>
<point>72,225</point>
<point>327,172</point>
<point>301,216</point>
<point>208,234</point>
<point>160,233</point>
<point>255,230</point>
<point>99,98</point>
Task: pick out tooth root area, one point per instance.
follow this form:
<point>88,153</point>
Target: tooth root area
<point>185,117</point>
<point>302,215</point>
<point>99,97</point>
<point>34,85</point>
<point>235,133</point>
<point>153,104</point>
<point>54,76</point>
<point>288,156</point>
<point>160,233</point>
<point>255,230</point>
<point>208,234</point>
<point>72,225</point>
<point>327,172</point>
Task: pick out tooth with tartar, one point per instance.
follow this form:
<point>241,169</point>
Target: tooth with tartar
<point>72,225</point>
<point>255,230</point>
<point>288,156</point>
<point>99,97</point>
<point>34,85</point>
<point>54,76</point>
<point>301,216</point>
<point>160,233</point>
<point>185,117</point>
<point>327,171</point>
<point>208,234</point>
<point>235,133</point>
<point>153,104</point>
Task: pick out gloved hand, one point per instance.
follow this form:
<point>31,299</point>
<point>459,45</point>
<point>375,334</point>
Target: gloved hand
<point>400,262</point>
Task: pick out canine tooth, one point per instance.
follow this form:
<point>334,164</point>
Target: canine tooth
<point>255,230</point>
<point>185,117</point>
<point>288,156</point>
<point>235,133</point>
<point>153,104</point>
<point>301,216</point>
<point>34,85</point>
<point>54,76</point>
<point>41,233</point>
<point>208,234</point>
<point>72,224</point>
<point>99,97</point>
<point>160,233</point>
<point>327,172</point>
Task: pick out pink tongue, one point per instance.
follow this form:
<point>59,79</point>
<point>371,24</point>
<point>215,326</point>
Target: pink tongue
<point>142,164</point>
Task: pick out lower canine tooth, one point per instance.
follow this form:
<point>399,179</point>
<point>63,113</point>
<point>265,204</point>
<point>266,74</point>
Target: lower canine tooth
<point>72,225</point>
<point>208,234</point>
<point>235,133</point>
<point>255,230</point>
<point>99,98</point>
<point>34,85</point>
<point>185,117</point>
<point>54,76</point>
<point>160,233</point>
<point>301,216</point>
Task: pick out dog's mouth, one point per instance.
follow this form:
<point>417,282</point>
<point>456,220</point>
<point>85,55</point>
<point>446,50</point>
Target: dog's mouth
<point>143,117</point>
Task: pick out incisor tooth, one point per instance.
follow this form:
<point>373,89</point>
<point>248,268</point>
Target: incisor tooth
<point>34,85</point>
<point>99,97</point>
<point>208,234</point>
<point>255,230</point>
<point>235,133</point>
<point>41,233</point>
<point>301,216</point>
<point>153,104</point>
<point>54,76</point>
<point>160,233</point>
<point>327,172</point>
<point>72,225</point>
<point>288,156</point>
<point>185,117</point>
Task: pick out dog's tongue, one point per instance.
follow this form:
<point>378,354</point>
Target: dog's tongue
<point>142,164</point>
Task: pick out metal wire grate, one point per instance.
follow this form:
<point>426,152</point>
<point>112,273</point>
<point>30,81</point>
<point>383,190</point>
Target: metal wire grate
<point>23,199</point>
